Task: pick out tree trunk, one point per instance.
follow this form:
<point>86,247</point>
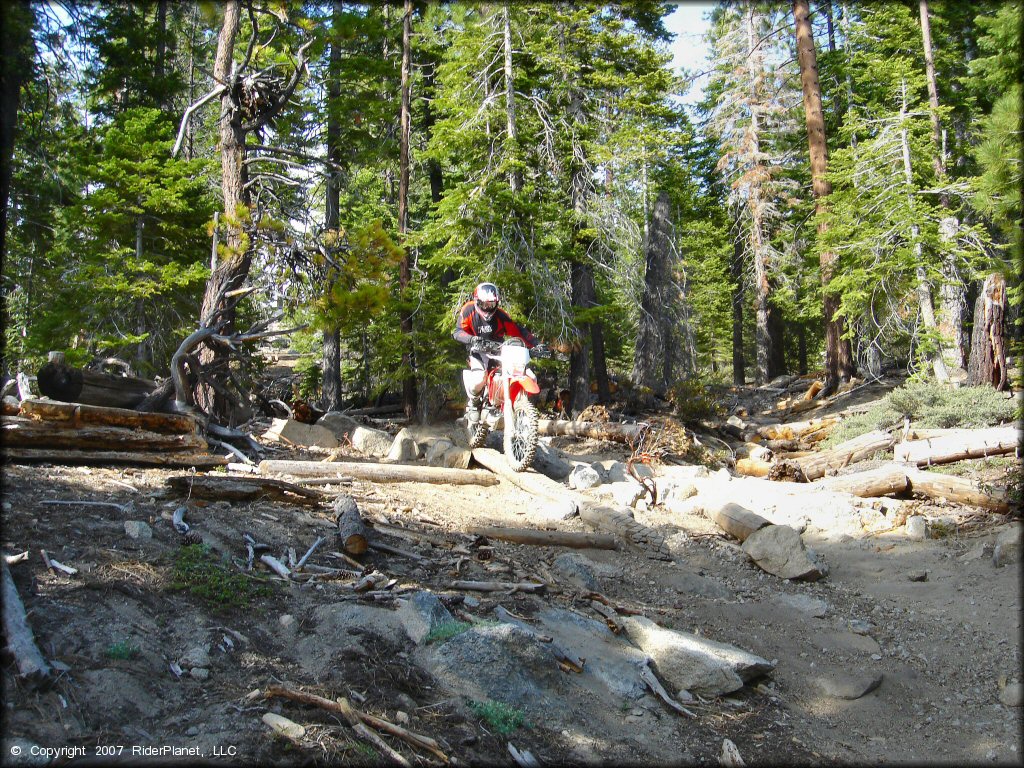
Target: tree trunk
<point>515,176</point>
<point>330,387</point>
<point>962,444</point>
<point>405,273</point>
<point>924,289</point>
<point>987,365</point>
<point>15,66</point>
<point>838,357</point>
<point>651,369</point>
<point>236,256</point>
<point>579,359</point>
<point>379,473</point>
<point>859,448</point>
<point>739,376</point>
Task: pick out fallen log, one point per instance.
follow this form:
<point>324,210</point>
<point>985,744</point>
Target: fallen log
<point>619,520</point>
<point>58,381</point>
<point>548,538</point>
<point>138,458</point>
<point>957,489</point>
<point>380,473</point>
<point>28,433</point>
<point>351,529</point>
<point>530,480</point>
<point>221,488</point>
<point>597,430</point>
<point>962,444</point>
<point>20,642</point>
<point>76,414</point>
<point>861,447</point>
<point>737,521</point>
<point>752,467</point>
<point>498,586</point>
<point>808,431</point>
<point>882,481</point>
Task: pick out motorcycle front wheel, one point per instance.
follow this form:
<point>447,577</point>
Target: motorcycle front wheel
<point>521,435</point>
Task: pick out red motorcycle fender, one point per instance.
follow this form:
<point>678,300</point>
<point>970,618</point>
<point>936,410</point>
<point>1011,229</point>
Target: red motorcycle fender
<point>522,382</point>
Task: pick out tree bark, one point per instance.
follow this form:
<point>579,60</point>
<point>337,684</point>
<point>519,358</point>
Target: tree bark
<point>330,387</point>
<point>28,433</point>
<point>74,415</point>
<point>963,444</point>
<point>21,642</point>
<point>16,20</point>
<point>77,385</point>
<point>515,176</point>
<point>957,489</point>
<point>235,258</point>
<point>351,529</point>
<point>987,365</point>
<point>859,448</point>
<point>739,376</point>
<point>838,357</point>
<point>736,520</point>
<point>652,360</point>
<point>102,458</point>
<point>381,473</point>
<point>886,480</point>
<point>405,266</point>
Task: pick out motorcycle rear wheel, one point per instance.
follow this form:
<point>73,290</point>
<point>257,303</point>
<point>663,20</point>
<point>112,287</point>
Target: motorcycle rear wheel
<point>520,441</point>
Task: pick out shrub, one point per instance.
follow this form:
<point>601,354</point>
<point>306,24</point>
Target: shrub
<point>200,574</point>
<point>930,406</point>
<point>502,718</point>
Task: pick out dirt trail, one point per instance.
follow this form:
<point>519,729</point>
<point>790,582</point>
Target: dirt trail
<point>944,647</point>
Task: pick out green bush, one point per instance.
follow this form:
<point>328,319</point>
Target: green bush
<point>200,574</point>
<point>123,650</point>
<point>929,406</point>
<point>502,718</point>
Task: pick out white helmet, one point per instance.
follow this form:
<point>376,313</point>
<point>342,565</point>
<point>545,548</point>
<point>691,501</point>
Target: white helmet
<point>487,299</point>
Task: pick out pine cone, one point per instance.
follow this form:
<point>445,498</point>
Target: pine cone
<point>192,537</point>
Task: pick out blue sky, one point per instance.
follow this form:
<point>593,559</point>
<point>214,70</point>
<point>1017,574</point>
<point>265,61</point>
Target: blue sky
<point>688,22</point>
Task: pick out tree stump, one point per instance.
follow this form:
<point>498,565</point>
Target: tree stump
<point>987,364</point>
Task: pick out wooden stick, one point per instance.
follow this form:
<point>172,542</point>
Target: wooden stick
<point>20,641</point>
<point>344,708</point>
<point>338,480</point>
<point>548,538</point>
<point>648,676</point>
<point>219,487</point>
<point>53,565</point>
<point>497,586</point>
<point>320,540</point>
<point>12,559</point>
<point>382,473</point>
<point>382,547</point>
<point>354,563</point>
<point>351,529</point>
<point>523,758</point>
<point>276,566</point>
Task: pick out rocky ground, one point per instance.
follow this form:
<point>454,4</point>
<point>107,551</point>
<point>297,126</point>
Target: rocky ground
<point>907,651</point>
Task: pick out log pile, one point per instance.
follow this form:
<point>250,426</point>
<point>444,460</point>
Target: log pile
<point>53,431</point>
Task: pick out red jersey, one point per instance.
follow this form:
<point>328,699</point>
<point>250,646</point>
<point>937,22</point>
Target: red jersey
<point>471,324</point>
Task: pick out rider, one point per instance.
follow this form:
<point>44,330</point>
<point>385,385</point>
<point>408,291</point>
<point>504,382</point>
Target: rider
<point>481,318</point>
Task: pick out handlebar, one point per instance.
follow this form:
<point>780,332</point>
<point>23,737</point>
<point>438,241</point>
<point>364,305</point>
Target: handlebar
<point>494,348</point>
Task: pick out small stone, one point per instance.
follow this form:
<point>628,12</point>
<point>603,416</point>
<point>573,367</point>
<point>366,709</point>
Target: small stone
<point>876,657</point>
<point>199,673</point>
<point>402,717</point>
<point>916,527</point>
<point>849,687</point>
<point>406,701</point>
<point>192,731</point>
<point>1007,546</point>
<point>7,507</point>
<point>918,576</point>
<point>287,621</point>
<point>138,530</point>
<point>583,476</point>
<point>471,602</point>
<point>195,657</point>
<point>1012,695</point>
<point>860,627</point>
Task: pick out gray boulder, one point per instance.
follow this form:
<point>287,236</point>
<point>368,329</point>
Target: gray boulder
<point>341,425</point>
<point>1007,548</point>
<point>403,448</point>
<point>372,442</point>
<point>436,449</point>
<point>693,663</point>
<point>421,613</point>
<point>779,550</point>
<point>578,570</point>
<point>584,476</point>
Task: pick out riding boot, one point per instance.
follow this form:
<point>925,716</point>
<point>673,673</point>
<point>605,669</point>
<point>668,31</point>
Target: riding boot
<point>473,408</point>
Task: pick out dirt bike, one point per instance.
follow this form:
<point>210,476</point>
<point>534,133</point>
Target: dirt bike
<point>508,385</point>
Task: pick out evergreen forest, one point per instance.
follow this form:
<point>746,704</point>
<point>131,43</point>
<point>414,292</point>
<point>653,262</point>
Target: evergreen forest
<point>838,200</point>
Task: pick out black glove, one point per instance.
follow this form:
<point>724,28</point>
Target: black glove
<point>477,345</point>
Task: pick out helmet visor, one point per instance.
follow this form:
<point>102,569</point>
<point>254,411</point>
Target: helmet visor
<point>487,305</point>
